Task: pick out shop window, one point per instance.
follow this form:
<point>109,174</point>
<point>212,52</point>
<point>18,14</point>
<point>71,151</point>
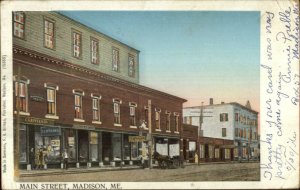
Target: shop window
<point>94,146</point>
<point>223,117</point>
<point>76,44</point>
<point>78,105</point>
<point>115,59</point>
<point>211,151</point>
<point>117,104</point>
<point>236,152</point>
<point>96,107</point>
<point>227,153</point>
<point>157,118</point>
<point>19,24</point>
<point>132,107</point>
<point>223,132</point>
<point>48,34</point>
<point>217,153</point>
<point>131,65</point>
<point>176,121</point>
<point>168,121</point>
<point>134,150</point>
<point>202,151</point>
<point>94,51</point>
<point>69,144</point>
<point>22,143</point>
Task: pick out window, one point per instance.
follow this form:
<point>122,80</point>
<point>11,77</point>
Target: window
<point>236,131</point>
<point>223,117</point>
<point>131,70</point>
<point>116,103</point>
<point>76,45</point>
<point>115,59</point>
<point>48,34</point>
<point>146,115</point>
<point>211,151</point>
<point>19,24</point>
<point>176,121</point>
<point>132,107</point>
<point>236,117</point>
<point>202,151</point>
<point>96,107</point>
<point>227,153</point>
<point>21,96</point>
<point>94,51</point>
<point>168,125</point>
<point>51,99</point>
<point>223,132</point>
<point>157,118</point>
<point>78,104</point>
<point>217,153</point>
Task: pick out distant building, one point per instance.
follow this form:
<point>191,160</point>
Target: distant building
<point>230,121</point>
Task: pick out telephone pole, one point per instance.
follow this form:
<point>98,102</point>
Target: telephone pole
<point>150,143</point>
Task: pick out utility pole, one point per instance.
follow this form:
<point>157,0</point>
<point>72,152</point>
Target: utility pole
<point>150,143</point>
<point>199,130</point>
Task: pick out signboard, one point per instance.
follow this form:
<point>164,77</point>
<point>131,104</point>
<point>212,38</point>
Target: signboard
<point>55,142</point>
<point>136,138</point>
<point>36,121</point>
<point>93,138</point>
<point>37,98</point>
<point>71,141</point>
<point>50,131</point>
<point>84,127</point>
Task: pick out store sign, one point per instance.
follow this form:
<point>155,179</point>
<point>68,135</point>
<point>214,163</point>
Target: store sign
<point>84,127</point>
<point>136,138</point>
<point>37,98</point>
<point>55,143</point>
<point>36,121</point>
<point>50,131</point>
<point>71,141</point>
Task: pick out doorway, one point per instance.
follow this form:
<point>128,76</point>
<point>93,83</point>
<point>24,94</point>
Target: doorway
<point>83,146</point>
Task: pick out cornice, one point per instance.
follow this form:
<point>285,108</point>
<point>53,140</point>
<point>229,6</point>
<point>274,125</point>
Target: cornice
<point>38,56</point>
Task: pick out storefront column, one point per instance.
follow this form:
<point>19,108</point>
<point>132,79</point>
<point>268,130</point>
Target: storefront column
<point>89,164</point>
<point>122,149</point>
<point>111,159</point>
<point>100,149</point>
<point>77,156</point>
<point>168,148</point>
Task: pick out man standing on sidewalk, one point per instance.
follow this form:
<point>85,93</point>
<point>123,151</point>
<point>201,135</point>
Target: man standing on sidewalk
<point>65,156</point>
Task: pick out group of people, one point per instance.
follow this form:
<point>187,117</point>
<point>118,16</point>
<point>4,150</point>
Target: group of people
<point>38,158</point>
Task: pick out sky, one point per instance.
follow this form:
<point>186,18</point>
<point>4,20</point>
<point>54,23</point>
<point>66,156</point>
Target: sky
<point>195,55</point>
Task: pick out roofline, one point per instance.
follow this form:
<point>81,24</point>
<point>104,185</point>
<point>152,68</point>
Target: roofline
<point>230,103</point>
<point>92,29</point>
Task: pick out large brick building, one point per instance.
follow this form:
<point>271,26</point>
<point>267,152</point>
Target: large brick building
<point>77,89</point>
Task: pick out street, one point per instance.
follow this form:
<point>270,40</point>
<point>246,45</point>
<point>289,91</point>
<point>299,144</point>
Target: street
<point>205,172</point>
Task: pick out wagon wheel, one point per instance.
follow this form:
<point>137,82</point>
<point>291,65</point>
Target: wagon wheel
<point>163,164</point>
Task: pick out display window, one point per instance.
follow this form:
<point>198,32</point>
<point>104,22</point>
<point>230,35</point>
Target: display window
<point>22,143</point>
<point>69,144</point>
<point>116,143</point>
<point>94,146</point>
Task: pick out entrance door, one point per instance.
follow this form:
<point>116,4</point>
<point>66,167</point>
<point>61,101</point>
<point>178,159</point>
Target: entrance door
<point>83,146</point>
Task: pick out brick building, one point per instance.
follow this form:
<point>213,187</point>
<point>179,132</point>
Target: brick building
<point>211,149</point>
<point>78,90</point>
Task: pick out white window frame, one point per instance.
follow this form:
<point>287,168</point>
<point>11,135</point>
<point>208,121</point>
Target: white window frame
<point>117,111</point>
<point>76,43</point>
<point>131,66</point>
<point>19,26</point>
<point>176,122</point>
<point>132,114</point>
<point>79,93</point>
<point>98,109</point>
<point>168,121</point>
<point>47,37</point>
<point>115,59</point>
<point>94,52</point>
<point>157,119</point>
<point>55,89</point>
<point>26,82</point>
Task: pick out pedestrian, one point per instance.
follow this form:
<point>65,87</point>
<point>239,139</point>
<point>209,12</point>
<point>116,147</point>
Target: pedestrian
<point>66,159</point>
<point>41,159</point>
<point>32,158</point>
<point>196,158</point>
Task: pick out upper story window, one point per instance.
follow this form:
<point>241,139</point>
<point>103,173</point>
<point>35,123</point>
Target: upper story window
<point>176,121</point>
<point>78,94</point>
<point>223,117</point>
<point>96,107</point>
<point>19,24</point>
<point>146,115</point>
<point>77,45</point>
<point>131,65</point>
<point>168,121</point>
<point>115,59</point>
<point>21,96</point>
<point>94,51</point>
<point>132,107</point>
<point>157,118</point>
<point>49,34</point>
<point>223,132</point>
<point>51,99</point>
<point>117,111</point>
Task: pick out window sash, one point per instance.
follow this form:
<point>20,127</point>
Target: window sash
<point>168,122</point>
<point>132,111</point>
<point>76,44</point>
<point>49,34</point>
<point>94,51</point>
<point>176,122</point>
<point>115,60</point>
<point>131,66</point>
<point>116,108</point>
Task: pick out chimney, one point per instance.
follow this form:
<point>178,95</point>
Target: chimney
<point>211,101</point>
<point>222,102</point>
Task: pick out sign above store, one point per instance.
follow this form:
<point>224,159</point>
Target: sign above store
<point>136,138</point>
<point>36,121</point>
<point>50,131</point>
<point>84,127</point>
<point>37,98</point>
